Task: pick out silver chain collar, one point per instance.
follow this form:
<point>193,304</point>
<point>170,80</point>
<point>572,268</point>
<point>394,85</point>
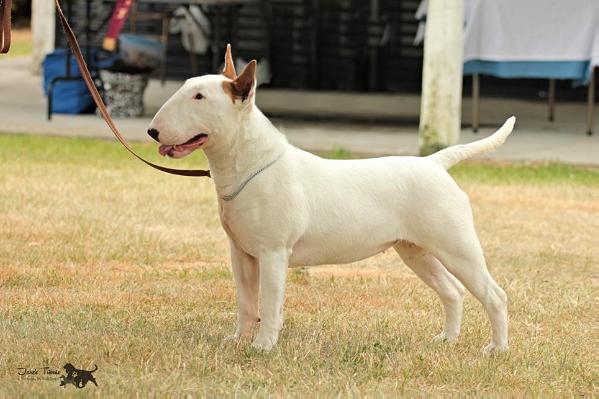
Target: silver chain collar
<point>231,197</point>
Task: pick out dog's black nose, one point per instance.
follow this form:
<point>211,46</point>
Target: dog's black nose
<point>153,134</point>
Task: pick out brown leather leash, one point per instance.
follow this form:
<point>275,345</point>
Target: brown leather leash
<point>5,25</point>
<point>74,45</point>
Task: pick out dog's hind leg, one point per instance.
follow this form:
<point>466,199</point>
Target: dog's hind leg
<point>246,274</point>
<point>445,228</point>
<point>434,274</point>
<point>461,253</point>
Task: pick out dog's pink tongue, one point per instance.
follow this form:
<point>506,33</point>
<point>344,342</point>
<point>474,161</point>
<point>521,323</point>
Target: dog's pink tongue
<point>164,149</point>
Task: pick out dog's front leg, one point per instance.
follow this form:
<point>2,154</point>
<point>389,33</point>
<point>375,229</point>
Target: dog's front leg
<point>246,274</point>
<point>273,272</point>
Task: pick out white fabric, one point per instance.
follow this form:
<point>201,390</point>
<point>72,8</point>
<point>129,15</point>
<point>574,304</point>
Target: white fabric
<point>532,30</point>
<point>527,30</point>
<point>263,75</point>
<point>193,37</point>
<point>421,16</point>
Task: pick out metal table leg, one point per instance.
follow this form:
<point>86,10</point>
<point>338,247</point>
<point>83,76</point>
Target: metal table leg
<point>551,100</point>
<point>591,104</point>
<point>475,102</point>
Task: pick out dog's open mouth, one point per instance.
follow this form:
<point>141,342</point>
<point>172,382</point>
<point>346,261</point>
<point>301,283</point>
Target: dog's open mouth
<point>181,150</point>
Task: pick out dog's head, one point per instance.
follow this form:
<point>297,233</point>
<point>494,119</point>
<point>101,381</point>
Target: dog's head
<point>69,368</point>
<point>206,111</point>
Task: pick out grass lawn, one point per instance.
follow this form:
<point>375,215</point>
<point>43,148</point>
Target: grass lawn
<point>106,261</point>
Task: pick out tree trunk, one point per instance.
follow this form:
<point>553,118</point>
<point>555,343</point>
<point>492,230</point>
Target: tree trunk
<point>43,23</point>
<point>441,106</point>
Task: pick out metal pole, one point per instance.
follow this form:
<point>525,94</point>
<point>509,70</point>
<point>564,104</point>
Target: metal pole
<point>591,103</point>
<point>475,102</point>
<point>551,99</point>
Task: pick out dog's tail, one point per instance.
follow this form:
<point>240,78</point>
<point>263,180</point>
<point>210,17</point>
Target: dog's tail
<point>452,155</point>
<point>95,368</point>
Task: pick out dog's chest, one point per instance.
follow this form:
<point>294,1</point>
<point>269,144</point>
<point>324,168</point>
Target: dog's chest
<point>239,225</point>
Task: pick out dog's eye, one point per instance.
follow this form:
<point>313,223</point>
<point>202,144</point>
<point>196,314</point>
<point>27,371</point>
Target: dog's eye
<point>198,96</point>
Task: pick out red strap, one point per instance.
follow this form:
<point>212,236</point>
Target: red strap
<point>74,45</point>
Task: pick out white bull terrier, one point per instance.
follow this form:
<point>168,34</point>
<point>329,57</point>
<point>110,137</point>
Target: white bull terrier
<point>283,207</point>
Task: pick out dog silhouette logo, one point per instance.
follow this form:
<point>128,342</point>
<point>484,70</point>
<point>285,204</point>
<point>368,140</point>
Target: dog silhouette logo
<point>77,377</point>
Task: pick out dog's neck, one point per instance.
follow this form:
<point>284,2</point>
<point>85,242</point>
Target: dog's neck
<point>255,143</point>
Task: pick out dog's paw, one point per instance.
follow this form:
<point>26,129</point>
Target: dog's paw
<point>493,349</point>
<point>443,337</point>
<point>264,342</point>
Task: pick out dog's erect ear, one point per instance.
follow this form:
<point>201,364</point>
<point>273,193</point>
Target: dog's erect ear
<point>229,69</point>
<point>244,84</point>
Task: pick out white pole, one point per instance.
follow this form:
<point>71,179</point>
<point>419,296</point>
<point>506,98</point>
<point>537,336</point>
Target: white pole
<point>43,23</point>
<point>440,109</point>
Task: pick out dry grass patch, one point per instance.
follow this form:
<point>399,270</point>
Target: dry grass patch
<point>104,261</point>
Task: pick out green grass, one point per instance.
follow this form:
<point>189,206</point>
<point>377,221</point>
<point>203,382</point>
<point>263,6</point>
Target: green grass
<point>106,261</point>
<point>75,151</point>
<point>19,48</point>
<point>339,153</point>
<point>509,173</point>
<point>526,173</point>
